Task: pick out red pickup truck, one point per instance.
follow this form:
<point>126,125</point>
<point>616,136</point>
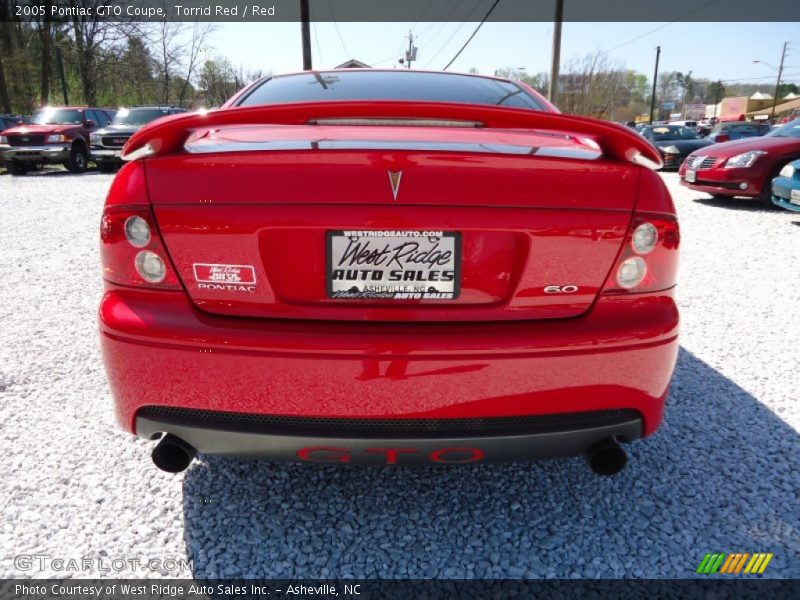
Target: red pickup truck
<point>54,135</point>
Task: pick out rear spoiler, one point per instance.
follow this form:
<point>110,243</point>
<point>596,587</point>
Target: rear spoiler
<point>167,135</point>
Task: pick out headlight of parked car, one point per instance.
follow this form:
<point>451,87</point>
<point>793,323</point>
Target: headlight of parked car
<point>4,140</point>
<point>786,171</point>
<point>743,160</point>
<point>95,138</point>
<point>56,138</point>
<point>670,150</point>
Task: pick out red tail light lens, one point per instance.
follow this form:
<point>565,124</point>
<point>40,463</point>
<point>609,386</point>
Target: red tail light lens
<point>723,138</point>
<point>649,259</point>
<point>131,248</point>
<point>126,261</point>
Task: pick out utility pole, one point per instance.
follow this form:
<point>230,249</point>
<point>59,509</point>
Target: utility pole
<point>717,94</point>
<point>305,29</point>
<point>778,83</point>
<point>552,89</point>
<point>60,64</point>
<point>411,53</point>
<point>655,79</point>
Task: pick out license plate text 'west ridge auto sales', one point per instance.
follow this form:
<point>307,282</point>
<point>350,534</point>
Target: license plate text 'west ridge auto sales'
<point>397,265</point>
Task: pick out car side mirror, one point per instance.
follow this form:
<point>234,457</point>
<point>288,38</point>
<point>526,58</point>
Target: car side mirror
<point>88,124</point>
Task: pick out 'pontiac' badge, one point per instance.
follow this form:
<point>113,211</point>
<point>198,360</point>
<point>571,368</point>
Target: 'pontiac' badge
<point>394,180</point>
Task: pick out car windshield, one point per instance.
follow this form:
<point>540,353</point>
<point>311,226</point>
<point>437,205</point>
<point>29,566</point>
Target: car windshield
<point>390,85</point>
<point>665,134</point>
<point>790,130</point>
<point>58,116</point>
<point>138,116</point>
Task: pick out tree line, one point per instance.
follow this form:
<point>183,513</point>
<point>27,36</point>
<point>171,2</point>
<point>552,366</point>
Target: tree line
<point>593,85</point>
<point>83,61</point>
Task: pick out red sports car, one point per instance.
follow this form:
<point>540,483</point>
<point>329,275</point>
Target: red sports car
<point>743,167</point>
<point>389,267</point>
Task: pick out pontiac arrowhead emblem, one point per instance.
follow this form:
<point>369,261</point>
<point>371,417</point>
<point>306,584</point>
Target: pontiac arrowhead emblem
<point>394,181</point>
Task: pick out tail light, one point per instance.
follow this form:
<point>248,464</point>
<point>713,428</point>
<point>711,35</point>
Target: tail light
<point>131,247</point>
<point>648,260</point>
<point>723,137</point>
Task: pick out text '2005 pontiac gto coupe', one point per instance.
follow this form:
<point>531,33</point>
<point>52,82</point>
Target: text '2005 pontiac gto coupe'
<point>389,267</point>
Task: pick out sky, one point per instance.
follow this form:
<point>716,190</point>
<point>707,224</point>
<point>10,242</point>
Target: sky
<point>710,50</point>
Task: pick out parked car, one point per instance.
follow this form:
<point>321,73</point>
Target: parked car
<point>687,124</point>
<point>786,187</point>
<point>674,142</point>
<point>54,135</point>
<point>737,130</point>
<point>704,126</point>
<point>377,266</point>
<point>106,143</point>
<point>742,168</point>
<point>9,121</point>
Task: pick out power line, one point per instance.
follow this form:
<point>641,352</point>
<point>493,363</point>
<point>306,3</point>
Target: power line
<point>438,52</point>
<point>474,8</point>
<point>336,25</point>
<point>746,79</point>
<point>438,20</point>
<point>316,41</point>
<point>645,34</point>
<point>496,2</point>
<point>422,16</point>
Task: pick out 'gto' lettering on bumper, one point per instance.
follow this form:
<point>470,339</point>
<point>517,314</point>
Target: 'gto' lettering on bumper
<point>324,454</point>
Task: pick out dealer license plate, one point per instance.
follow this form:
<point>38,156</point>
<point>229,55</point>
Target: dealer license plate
<point>393,265</point>
<point>794,197</point>
<point>690,176</point>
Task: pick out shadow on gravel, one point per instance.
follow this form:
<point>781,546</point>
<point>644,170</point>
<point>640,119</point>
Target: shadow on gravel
<point>722,475</point>
<point>745,204</point>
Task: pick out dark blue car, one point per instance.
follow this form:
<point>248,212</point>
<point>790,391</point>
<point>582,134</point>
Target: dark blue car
<point>737,130</point>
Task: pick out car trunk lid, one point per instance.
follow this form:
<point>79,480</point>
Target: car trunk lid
<point>257,216</point>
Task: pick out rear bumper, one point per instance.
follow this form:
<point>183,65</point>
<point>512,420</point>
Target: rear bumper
<point>39,154</point>
<point>216,433</point>
<point>160,351</point>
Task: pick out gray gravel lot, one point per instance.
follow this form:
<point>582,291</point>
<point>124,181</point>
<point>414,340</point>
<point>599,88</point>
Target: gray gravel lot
<point>722,475</point>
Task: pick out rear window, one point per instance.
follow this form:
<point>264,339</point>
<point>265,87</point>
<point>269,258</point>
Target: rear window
<point>672,132</point>
<point>742,127</point>
<point>390,85</point>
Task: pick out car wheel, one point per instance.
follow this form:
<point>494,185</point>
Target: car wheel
<point>16,168</point>
<point>77,160</point>
<point>106,166</point>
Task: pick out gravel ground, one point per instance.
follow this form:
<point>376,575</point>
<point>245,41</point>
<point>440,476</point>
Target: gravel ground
<point>722,475</point>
